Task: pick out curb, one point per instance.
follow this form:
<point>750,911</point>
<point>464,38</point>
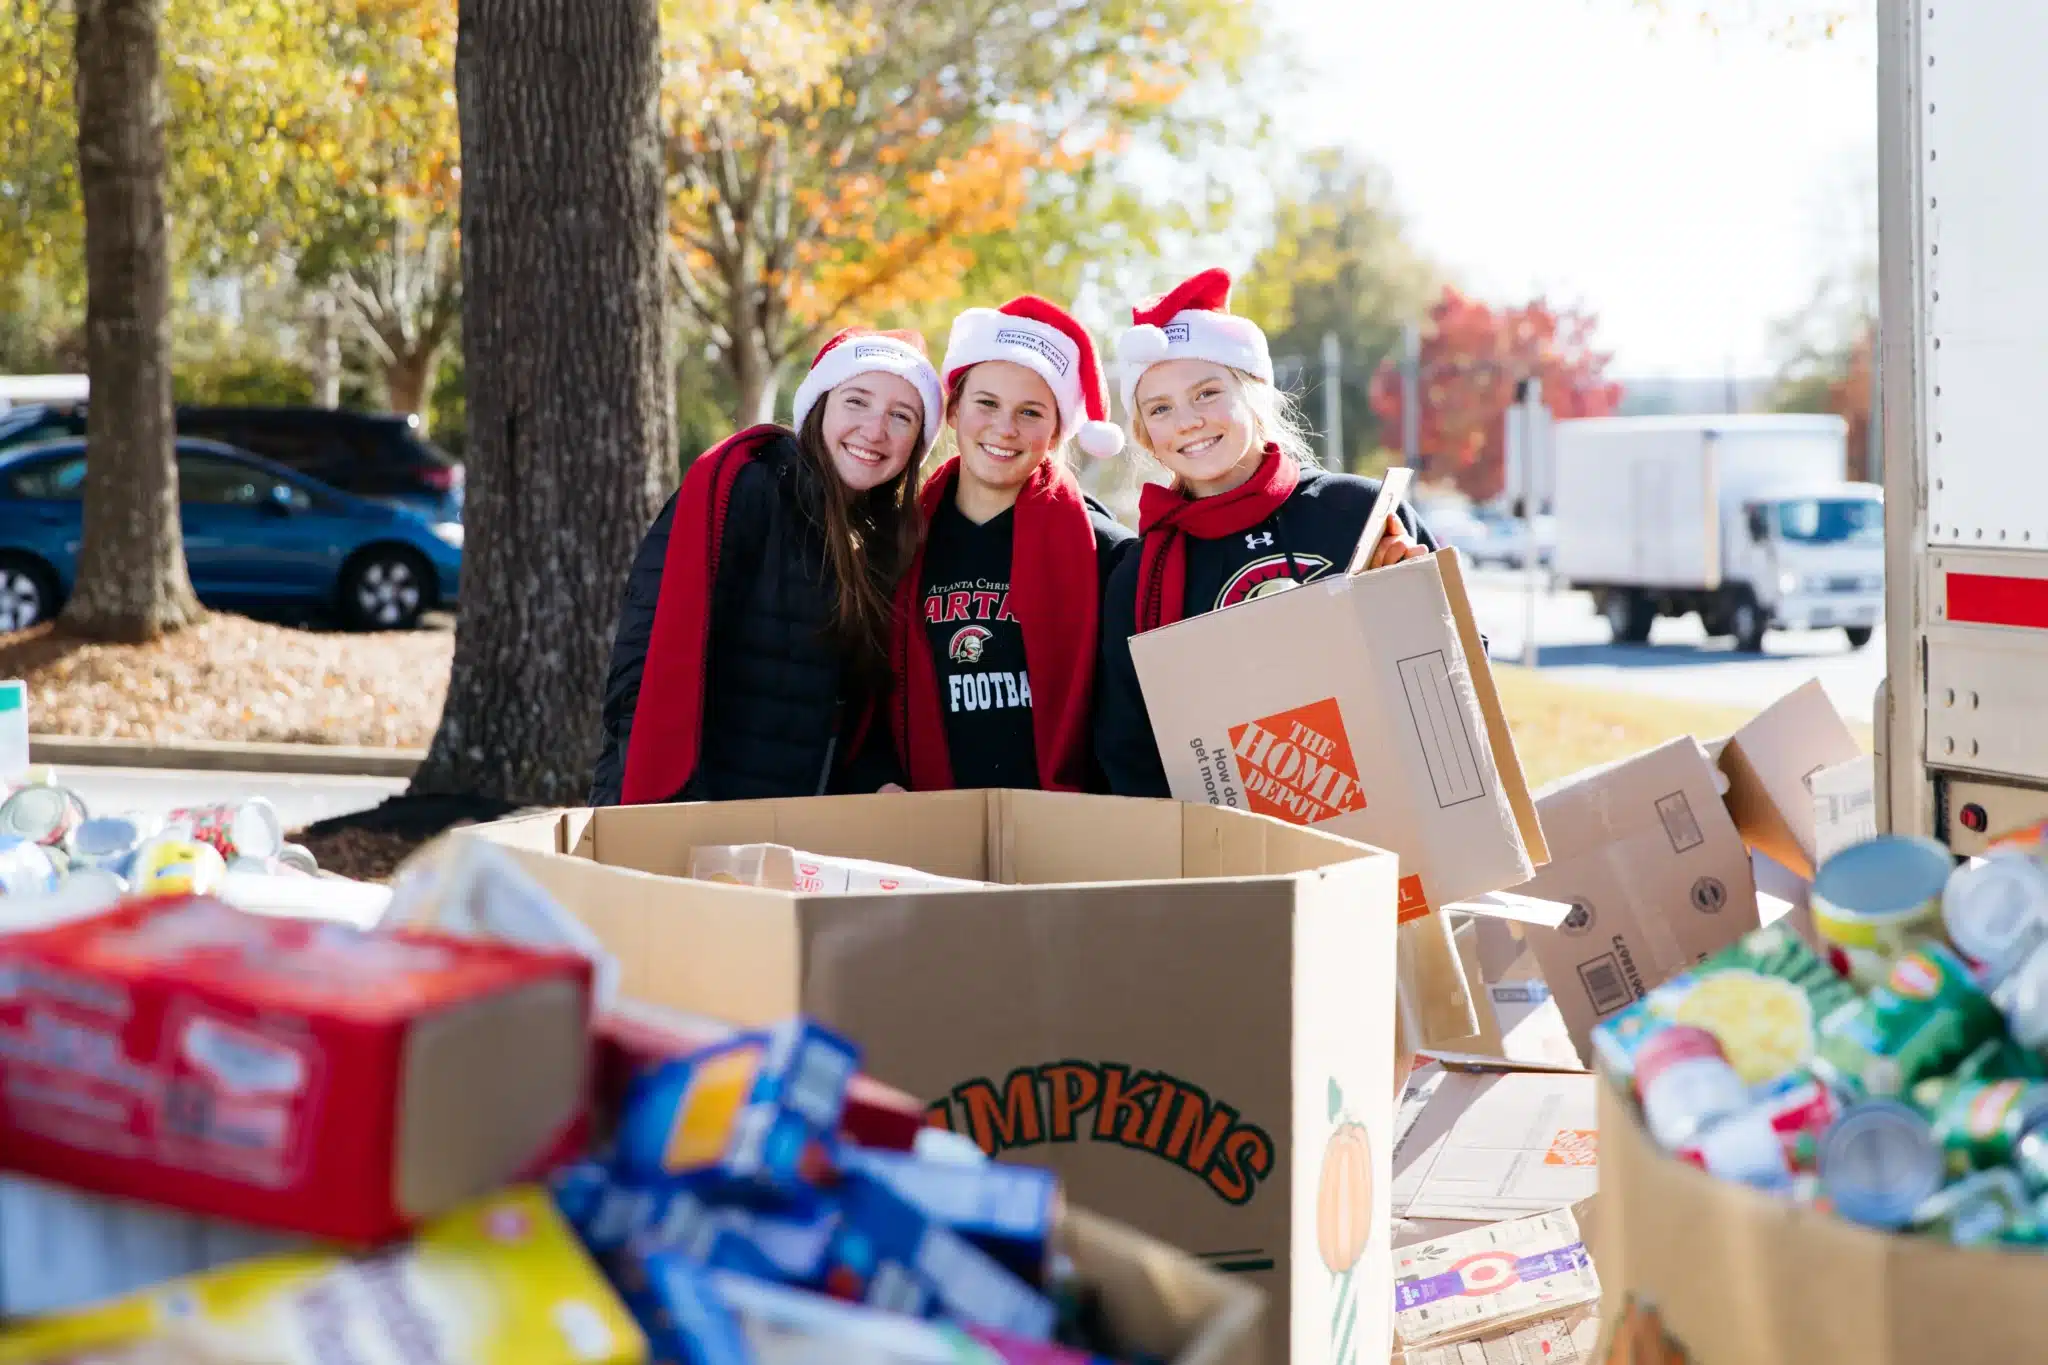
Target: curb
<point>311,760</point>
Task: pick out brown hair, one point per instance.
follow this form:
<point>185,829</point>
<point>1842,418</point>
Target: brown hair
<point>870,540</point>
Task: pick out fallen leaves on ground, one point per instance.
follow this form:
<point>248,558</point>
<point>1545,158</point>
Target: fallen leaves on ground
<point>233,679</point>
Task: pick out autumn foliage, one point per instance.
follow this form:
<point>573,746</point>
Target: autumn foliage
<point>1473,357</point>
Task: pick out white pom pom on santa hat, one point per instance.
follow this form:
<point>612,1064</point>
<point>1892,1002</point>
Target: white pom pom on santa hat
<point>1100,440</point>
<point>1142,346</point>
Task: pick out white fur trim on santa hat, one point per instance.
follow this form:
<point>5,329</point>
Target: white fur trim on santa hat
<point>982,334</point>
<point>874,354</point>
<point>1197,334</point>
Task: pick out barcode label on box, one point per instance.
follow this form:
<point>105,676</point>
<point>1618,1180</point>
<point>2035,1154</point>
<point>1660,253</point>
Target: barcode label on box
<point>1447,744</point>
<point>1606,988</point>
<point>1679,825</point>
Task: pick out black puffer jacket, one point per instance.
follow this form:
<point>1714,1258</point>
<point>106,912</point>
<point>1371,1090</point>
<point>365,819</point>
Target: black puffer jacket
<point>772,702</point>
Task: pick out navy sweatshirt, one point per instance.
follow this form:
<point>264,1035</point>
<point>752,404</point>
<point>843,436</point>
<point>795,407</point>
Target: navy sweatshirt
<point>1318,526</point>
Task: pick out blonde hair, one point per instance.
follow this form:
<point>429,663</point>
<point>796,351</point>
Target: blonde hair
<point>1276,420</point>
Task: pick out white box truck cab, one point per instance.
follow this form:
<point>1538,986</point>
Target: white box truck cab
<point>1962,719</point>
<point>1746,519</point>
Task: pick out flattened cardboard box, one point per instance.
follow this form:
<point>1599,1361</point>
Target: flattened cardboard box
<point>1181,1010</point>
<point>1700,1271</point>
<point>1363,705</point>
<point>1655,873</point>
<point>1493,1145</point>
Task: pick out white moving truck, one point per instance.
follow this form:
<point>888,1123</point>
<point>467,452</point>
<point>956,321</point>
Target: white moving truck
<point>1962,721</point>
<point>1744,518</point>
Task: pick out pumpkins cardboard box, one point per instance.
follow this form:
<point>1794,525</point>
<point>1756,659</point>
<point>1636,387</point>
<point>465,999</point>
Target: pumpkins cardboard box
<point>1183,1010</point>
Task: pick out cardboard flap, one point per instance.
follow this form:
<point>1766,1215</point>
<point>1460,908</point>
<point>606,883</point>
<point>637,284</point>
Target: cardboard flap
<point>1770,763</point>
<point>1499,738</point>
<point>1162,1302</point>
<point>1506,905</point>
<point>1393,487</point>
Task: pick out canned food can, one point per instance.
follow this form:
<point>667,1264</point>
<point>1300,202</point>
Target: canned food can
<point>1977,1209</point>
<point>1879,1164</point>
<point>1685,1083</point>
<point>169,866</point>
<point>250,829</point>
<point>1978,1123</point>
<point>298,858</point>
<point>1927,1017</point>
<point>42,815</point>
<point>25,867</point>
<point>107,840</point>
<point>1745,1148</point>
<point>1996,911</point>
<point>1879,899</point>
<point>2022,997</point>
<point>100,878</point>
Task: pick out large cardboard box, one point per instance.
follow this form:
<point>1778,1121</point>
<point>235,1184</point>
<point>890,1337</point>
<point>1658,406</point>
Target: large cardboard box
<point>1363,705</point>
<point>1183,1010</point>
<point>1656,875</point>
<point>1699,1271</point>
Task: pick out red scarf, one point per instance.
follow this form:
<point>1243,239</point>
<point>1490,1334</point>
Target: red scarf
<point>668,717</point>
<point>1167,517</point>
<point>1056,600</point>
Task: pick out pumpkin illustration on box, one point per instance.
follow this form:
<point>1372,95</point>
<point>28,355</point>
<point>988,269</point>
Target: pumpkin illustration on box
<point>1344,1193</point>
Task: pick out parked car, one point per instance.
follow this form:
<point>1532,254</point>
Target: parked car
<point>1506,541</point>
<point>1454,527</point>
<point>370,454</point>
<point>256,534</point>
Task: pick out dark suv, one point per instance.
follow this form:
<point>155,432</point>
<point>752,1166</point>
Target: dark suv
<point>373,455</point>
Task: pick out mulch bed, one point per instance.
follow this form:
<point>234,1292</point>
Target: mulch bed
<point>369,845</point>
<point>236,679</point>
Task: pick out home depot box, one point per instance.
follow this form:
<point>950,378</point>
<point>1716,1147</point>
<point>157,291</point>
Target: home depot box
<point>1656,875</point>
<point>307,1077</point>
<point>1700,1271</point>
<point>1363,705</point>
<point>1183,1010</point>
<point>1771,763</point>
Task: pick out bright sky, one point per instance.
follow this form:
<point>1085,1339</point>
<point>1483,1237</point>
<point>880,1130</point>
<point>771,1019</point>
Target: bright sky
<point>1688,187</point>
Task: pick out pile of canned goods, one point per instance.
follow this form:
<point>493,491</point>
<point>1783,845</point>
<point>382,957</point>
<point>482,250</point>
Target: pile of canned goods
<point>50,844</point>
<point>1897,1076</point>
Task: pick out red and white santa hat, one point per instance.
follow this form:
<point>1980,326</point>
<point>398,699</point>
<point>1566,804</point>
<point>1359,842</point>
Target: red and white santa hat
<point>863,350</point>
<point>1044,339</point>
<point>1191,321</point>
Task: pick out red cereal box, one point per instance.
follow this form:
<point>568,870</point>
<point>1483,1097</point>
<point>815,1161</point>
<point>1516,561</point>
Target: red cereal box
<point>291,1074</point>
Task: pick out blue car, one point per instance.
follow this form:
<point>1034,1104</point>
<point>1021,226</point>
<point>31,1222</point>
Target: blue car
<point>256,535</point>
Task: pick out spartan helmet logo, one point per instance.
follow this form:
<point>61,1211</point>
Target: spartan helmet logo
<point>967,644</point>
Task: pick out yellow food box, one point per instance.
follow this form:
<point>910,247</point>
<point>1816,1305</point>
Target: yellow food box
<point>502,1281</point>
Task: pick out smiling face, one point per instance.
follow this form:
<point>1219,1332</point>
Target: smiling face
<point>1006,423</point>
<point>872,425</point>
<point>1193,417</point>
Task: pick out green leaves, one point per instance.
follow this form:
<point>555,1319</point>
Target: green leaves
<point>1336,1100</point>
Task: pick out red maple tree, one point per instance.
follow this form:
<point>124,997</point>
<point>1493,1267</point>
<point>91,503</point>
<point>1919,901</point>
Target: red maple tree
<point>1473,357</point>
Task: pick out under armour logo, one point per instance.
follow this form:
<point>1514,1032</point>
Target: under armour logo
<point>1254,539</point>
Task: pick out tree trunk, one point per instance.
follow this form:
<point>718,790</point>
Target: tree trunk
<point>132,584</point>
<point>569,406</point>
<point>754,376</point>
<point>326,353</point>
<point>409,382</point>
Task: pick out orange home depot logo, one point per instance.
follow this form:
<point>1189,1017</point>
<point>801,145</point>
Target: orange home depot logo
<point>1297,765</point>
<point>1147,1111</point>
<point>1574,1147</point>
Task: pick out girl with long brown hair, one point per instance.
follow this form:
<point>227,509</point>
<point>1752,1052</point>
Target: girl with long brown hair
<point>756,626</point>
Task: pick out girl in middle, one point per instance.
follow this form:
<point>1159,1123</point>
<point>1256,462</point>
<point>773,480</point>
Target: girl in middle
<point>996,622</point>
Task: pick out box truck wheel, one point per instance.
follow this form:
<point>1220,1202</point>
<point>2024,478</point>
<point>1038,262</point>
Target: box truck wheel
<point>1746,622</point>
<point>1629,615</point>
<point>1859,636</point>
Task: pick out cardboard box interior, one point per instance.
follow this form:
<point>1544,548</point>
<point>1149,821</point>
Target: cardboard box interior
<point>1770,764</point>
